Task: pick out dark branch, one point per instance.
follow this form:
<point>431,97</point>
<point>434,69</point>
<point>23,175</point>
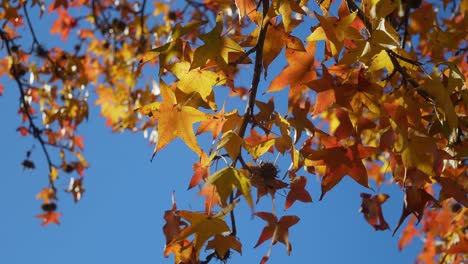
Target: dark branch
<point>37,132</point>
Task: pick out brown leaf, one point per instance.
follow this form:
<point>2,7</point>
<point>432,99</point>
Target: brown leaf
<point>222,244</point>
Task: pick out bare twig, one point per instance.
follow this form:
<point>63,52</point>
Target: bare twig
<point>36,131</point>
<point>248,115</point>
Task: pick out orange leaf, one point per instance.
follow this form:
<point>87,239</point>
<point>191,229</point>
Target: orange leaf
<point>212,197</point>
<point>63,24</point>
<point>57,4</point>
<point>299,71</point>
<point>408,233</point>
<point>297,192</point>
<point>246,7</point>
<point>49,217</point>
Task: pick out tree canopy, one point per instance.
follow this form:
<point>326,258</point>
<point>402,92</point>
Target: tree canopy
<point>374,90</point>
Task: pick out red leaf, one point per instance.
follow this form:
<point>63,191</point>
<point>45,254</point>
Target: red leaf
<point>371,208</point>
<point>23,130</point>
<point>79,142</point>
<point>57,4</point>
<point>415,201</point>
<point>298,192</point>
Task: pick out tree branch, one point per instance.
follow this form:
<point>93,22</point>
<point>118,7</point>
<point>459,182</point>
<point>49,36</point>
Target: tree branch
<point>248,114</point>
<point>26,109</point>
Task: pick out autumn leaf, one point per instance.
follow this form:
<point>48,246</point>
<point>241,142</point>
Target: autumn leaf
<point>174,120</point>
<point>216,47</point>
<point>49,217</point>
<point>53,174</point>
<point>201,170</point>
<point>371,208</point>
<point>334,31</point>
<point>211,197</point>
<point>197,81</point>
<point>78,141</point>
<point>408,233</point>
<point>75,187</point>
<point>297,192</point>
<point>222,244</point>
<point>246,7</point>
<point>226,179</point>
<point>340,161</point>
<point>450,188</point>
<point>47,194</point>
<point>64,24</point>
<point>299,71</point>
<point>202,226</point>
<point>57,4</point>
<point>278,231</point>
<point>415,202</point>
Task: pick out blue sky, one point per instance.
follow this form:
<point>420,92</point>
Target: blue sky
<point>120,218</point>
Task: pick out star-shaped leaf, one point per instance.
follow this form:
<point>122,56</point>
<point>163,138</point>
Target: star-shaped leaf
<point>297,192</point>
<point>222,244</point>
<point>49,217</point>
<point>340,161</point>
<point>174,120</point>
<point>278,231</point>
<point>197,81</point>
<point>216,47</point>
<point>202,226</point>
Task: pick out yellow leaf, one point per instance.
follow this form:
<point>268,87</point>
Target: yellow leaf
<point>380,61</point>
<point>216,47</point>
<point>47,194</point>
<point>197,81</point>
<point>176,121</point>
<point>260,149</point>
<point>442,100</point>
<point>418,153</point>
<point>385,36</point>
<point>232,143</point>
<point>226,179</point>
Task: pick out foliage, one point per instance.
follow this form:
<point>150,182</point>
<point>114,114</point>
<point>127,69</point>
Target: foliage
<point>377,93</point>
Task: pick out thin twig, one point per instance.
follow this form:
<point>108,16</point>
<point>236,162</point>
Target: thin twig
<point>248,115</point>
<point>26,110</point>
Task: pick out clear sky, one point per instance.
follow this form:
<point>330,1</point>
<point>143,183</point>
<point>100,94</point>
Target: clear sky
<point>120,218</point>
